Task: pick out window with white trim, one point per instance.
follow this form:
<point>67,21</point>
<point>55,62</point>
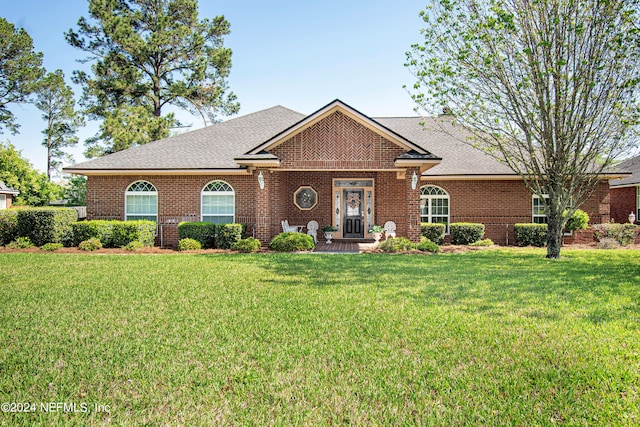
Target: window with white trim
<point>434,205</point>
<point>218,203</point>
<point>141,202</point>
<point>3,201</point>
<point>539,209</point>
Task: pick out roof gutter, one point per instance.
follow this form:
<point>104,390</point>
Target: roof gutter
<point>164,172</point>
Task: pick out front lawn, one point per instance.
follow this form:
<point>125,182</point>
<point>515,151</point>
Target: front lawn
<point>497,337</point>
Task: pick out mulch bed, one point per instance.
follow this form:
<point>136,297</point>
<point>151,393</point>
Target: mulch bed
<point>445,249</point>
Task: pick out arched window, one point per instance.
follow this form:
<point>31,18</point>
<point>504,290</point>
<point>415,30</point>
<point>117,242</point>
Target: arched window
<point>434,205</point>
<point>218,203</point>
<point>141,202</point>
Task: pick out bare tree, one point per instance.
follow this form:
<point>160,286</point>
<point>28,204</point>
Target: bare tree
<point>548,87</point>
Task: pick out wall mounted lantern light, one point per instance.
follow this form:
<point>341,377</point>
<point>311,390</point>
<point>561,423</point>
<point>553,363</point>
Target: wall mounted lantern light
<point>261,180</point>
<point>632,217</point>
<point>414,181</point>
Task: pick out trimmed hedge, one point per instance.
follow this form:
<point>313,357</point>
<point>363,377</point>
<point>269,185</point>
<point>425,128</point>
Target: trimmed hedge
<point>291,241</point>
<point>114,233</point>
<point>203,232</point>
<point>433,232</point>
<point>530,234</point>
<point>210,235</point>
<point>125,232</point>
<point>99,229</point>
<point>8,226</point>
<point>464,233</point>
<point>227,235</point>
<point>46,225</point>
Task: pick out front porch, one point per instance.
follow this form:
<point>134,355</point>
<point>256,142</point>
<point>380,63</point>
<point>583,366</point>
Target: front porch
<point>352,202</point>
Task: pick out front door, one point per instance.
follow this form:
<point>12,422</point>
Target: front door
<point>353,213</point>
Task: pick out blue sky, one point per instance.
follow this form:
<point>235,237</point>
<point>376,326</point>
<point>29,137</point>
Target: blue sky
<point>298,54</point>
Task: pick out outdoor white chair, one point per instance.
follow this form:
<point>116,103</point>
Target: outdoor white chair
<point>389,229</point>
<point>312,230</point>
<point>295,228</point>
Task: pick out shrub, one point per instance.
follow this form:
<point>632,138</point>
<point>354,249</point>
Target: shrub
<point>203,232</point>
<point>189,244</point>
<point>114,233</point>
<point>45,225</point>
<point>247,245</point>
<point>99,229</point>
<point>427,245</point>
<point>8,226</point>
<point>50,247</point>
<point>464,233</point>
<point>125,232</point>
<point>227,235</point>
<point>90,245</point>
<point>483,242</point>
<point>433,232</point>
<point>20,243</point>
<point>133,246</point>
<point>578,221</point>
<point>530,234</point>
<point>608,243</point>
<point>397,244</point>
<point>624,234</point>
<point>291,241</point>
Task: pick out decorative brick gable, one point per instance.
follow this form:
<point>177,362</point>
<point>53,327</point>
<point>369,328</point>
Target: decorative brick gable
<point>337,142</point>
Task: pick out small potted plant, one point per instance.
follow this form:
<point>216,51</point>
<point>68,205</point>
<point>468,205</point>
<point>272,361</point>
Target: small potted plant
<point>328,231</point>
<point>377,231</point>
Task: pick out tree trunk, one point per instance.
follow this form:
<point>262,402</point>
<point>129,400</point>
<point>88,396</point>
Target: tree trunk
<point>49,161</point>
<point>554,239</point>
<point>555,225</point>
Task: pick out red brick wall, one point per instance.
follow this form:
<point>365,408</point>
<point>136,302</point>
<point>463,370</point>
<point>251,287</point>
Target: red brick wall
<point>497,204</point>
<point>623,202</point>
<point>178,199</point>
<point>500,204</point>
<point>337,142</point>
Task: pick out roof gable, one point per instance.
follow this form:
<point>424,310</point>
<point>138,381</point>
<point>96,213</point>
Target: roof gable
<point>323,113</point>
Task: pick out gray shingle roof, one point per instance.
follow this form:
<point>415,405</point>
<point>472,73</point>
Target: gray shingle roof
<point>632,166</point>
<point>216,146</point>
<point>5,189</point>
<point>439,137</point>
<point>212,147</point>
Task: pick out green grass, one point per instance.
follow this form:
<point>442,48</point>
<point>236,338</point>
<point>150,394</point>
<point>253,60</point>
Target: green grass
<point>484,338</point>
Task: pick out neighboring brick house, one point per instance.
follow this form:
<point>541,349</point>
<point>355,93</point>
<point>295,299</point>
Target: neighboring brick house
<point>336,166</point>
<point>6,195</point>
<point>625,192</point>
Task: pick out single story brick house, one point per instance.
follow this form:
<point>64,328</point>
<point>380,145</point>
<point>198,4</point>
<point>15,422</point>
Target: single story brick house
<point>336,166</point>
<point>6,195</point>
<point>625,192</point>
